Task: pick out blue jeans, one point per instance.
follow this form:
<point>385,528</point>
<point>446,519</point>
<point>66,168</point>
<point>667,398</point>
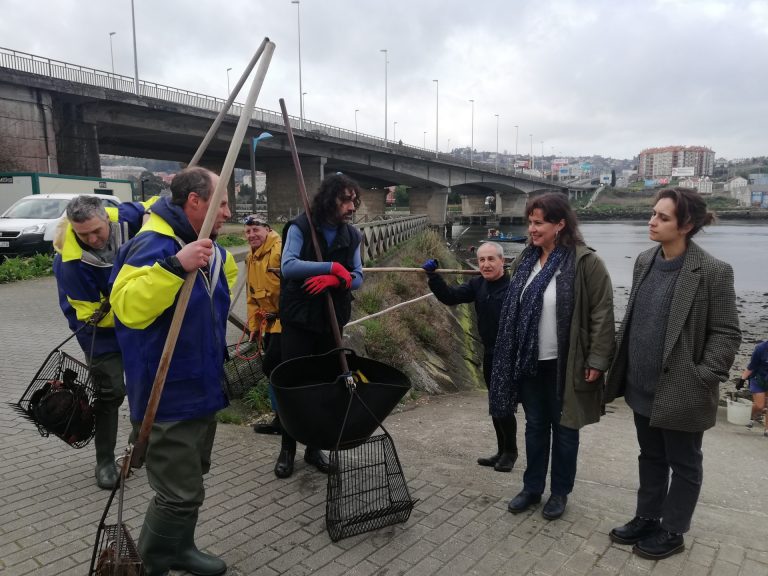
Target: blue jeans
<point>542,425</point>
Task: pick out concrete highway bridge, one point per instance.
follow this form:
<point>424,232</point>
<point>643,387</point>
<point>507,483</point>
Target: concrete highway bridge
<point>58,117</point>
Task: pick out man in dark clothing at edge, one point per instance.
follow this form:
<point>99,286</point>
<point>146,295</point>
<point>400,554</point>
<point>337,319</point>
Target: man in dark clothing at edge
<point>303,312</point>
<point>487,291</point>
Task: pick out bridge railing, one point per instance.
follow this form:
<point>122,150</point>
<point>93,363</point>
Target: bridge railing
<point>51,68</point>
<point>380,236</point>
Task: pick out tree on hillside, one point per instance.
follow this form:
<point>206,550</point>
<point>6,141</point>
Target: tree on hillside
<point>613,178</point>
<point>149,184</point>
<point>401,196</point>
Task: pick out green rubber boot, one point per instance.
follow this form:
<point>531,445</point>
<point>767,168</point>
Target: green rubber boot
<point>159,541</point>
<point>104,441</point>
<point>191,559</point>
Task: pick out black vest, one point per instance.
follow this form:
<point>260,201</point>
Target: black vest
<point>310,312</point>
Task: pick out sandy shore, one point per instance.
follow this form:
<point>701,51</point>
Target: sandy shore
<point>753,318</point>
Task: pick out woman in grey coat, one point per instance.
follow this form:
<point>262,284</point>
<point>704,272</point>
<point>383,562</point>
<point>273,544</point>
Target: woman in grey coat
<point>676,344</point>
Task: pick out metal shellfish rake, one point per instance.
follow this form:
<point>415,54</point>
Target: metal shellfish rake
<point>59,400</point>
<point>114,551</point>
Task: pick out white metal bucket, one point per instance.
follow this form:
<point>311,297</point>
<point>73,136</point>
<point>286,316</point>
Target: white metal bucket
<point>740,411</point>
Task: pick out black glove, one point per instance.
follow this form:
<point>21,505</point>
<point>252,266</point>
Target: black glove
<point>431,265</point>
<point>740,383</point>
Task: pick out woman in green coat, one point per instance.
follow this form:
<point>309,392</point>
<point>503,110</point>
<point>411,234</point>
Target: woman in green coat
<point>555,341</point>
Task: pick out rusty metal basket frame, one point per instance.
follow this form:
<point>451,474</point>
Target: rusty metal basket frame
<point>240,375</point>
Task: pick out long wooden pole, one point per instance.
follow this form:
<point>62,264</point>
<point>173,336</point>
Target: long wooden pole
<point>140,447</point>
<point>315,243</point>
<point>225,108</point>
<point>438,271</point>
<point>398,269</point>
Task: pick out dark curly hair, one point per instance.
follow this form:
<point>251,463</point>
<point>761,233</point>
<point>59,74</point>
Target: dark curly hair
<point>555,207</point>
<point>324,203</point>
<point>690,208</point>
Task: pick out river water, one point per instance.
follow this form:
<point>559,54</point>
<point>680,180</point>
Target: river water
<point>743,244</point>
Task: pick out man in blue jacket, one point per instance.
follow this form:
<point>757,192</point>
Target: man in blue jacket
<point>149,273</point>
<point>86,244</point>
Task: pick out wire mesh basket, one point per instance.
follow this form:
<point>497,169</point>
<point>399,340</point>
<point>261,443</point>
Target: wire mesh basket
<point>366,489</point>
<point>243,369</point>
<point>113,562</point>
<point>59,400</point>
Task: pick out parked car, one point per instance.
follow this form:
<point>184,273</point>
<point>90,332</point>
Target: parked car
<point>28,226</point>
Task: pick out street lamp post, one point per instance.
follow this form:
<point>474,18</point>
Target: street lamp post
<point>394,130</point>
<point>542,157</point>
<point>135,56</point>
<point>449,146</point>
<point>425,139</point>
<point>112,57</point>
<point>497,141</point>
<point>472,139</point>
<point>386,62</point>
<point>516,128</point>
<point>533,166</point>
<point>298,27</point>
<point>356,111</point>
<point>302,100</point>
<point>228,69</point>
<point>437,117</point>
<point>254,142</point>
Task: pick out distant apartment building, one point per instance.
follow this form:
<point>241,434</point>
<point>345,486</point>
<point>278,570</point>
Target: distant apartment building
<point>656,162</point>
<point>703,185</point>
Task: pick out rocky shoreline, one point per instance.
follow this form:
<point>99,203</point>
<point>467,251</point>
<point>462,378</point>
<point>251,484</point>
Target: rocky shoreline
<point>753,319</point>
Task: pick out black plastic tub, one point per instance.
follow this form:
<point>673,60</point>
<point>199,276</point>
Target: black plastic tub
<point>313,397</point>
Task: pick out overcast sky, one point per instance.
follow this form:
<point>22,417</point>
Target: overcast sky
<point>584,76</point>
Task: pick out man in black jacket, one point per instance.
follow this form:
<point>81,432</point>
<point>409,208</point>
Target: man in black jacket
<point>487,291</point>
<point>303,312</point>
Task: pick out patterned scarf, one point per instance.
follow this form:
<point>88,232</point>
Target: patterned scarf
<point>516,354</point>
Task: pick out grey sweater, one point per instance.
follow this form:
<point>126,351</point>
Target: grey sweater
<point>647,328</point>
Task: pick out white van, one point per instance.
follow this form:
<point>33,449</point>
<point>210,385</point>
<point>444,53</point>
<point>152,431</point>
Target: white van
<point>28,226</point>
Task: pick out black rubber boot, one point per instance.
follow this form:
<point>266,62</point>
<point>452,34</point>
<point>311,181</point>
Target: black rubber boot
<point>104,442</point>
<point>272,427</point>
<point>191,559</point>
<point>159,541</point>
<point>491,460</point>
<point>508,455</point>
<point>284,464</point>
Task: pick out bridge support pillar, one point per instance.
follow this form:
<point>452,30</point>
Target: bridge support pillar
<point>372,203</point>
<point>430,201</point>
<point>511,204</point>
<point>77,142</point>
<point>27,141</point>
<point>282,191</point>
<point>472,204</point>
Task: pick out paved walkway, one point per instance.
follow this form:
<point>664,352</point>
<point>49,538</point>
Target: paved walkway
<point>50,506</point>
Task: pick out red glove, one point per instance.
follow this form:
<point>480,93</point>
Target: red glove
<point>319,284</point>
<point>342,274</point>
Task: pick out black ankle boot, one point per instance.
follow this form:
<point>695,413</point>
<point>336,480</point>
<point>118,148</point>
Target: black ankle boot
<point>490,461</point>
<point>505,462</point>
<point>284,465</point>
<point>508,457</point>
